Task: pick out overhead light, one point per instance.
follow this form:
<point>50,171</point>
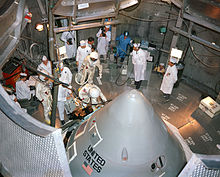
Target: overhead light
<point>39,27</point>
<point>176,53</point>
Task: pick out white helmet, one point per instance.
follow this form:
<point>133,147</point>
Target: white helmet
<point>44,58</point>
<point>94,92</point>
<point>94,55</point>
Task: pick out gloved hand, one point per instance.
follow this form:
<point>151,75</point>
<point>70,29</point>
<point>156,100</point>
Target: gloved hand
<point>100,76</point>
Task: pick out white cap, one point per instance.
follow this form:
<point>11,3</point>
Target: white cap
<point>173,60</point>
<point>107,26</point>
<point>82,43</point>
<point>44,58</point>
<point>94,92</point>
<point>136,45</point>
<point>161,64</point>
<point>23,74</point>
<point>94,55</point>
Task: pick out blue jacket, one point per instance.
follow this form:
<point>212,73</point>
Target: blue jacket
<point>122,46</point>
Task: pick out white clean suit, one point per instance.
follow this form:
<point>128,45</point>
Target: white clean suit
<point>43,93</point>
<point>139,59</point>
<point>70,49</point>
<point>85,96</point>
<point>82,53</point>
<point>102,46</point>
<point>47,69</point>
<point>89,69</point>
<point>169,79</point>
<point>23,90</point>
<point>66,77</point>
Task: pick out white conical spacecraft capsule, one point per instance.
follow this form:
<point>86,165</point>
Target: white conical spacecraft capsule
<point>125,139</point>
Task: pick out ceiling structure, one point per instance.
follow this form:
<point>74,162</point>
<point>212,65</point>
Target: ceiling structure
<point>204,9</point>
<point>90,9</point>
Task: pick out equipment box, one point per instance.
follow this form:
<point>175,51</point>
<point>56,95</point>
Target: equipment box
<point>209,106</point>
<point>11,71</point>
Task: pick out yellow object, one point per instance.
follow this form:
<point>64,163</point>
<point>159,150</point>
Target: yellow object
<point>47,121</point>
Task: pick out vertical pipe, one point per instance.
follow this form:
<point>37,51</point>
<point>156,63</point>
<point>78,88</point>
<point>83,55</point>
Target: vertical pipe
<point>53,58</point>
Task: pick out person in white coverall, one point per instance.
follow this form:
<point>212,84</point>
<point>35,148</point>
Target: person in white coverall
<point>43,93</point>
<point>91,93</point>
<point>169,78</point>
<point>102,46</point>
<point>22,89</point>
<point>82,52</point>
<point>63,92</point>
<point>69,39</point>
<point>46,68</point>
<point>139,59</point>
<point>25,95</point>
<point>88,66</point>
<point>106,32</point>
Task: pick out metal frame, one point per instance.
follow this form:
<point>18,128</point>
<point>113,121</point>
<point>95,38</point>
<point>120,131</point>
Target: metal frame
<point>85,26</point>
<point>195,38</point>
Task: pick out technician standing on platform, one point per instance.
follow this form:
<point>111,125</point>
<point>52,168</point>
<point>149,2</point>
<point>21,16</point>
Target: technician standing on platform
<point>139,59</point>
<point>82,52</point>
<point>124,41</point>
<point>89,65</point>
<point>69,39</point>
<point>46,68</point>
<point>169,79</point>
<point>63,93</point>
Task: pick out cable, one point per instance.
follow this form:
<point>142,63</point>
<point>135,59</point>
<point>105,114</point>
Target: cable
<point>216,55</point>
<point>209,66</point>
<point>191,48</point>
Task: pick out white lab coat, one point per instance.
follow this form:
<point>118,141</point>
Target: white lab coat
<point>139,59</point>
<point>23,90</point>
<point>169,79</point>
<point>89,69</point>
<point>108,34</point>
<point>66,77</point>
<point>85,96</point>
<point>70,49</point>
<point>46,69</point>
<point>82,53</point>
<point>43,93</point>
<point>102,46</point>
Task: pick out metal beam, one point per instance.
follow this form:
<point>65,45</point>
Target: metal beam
<point>81,19</point>
<point>85,26</point>
<point>53,58</point>
<point>195,38</point>
<point>59,3</point>
<point>202,22</point>
<point>41,8</point>
<point>177,3</point>
<point>213,3</point>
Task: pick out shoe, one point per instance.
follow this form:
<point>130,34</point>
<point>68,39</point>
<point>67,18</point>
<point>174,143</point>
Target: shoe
<point>62,122</point>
